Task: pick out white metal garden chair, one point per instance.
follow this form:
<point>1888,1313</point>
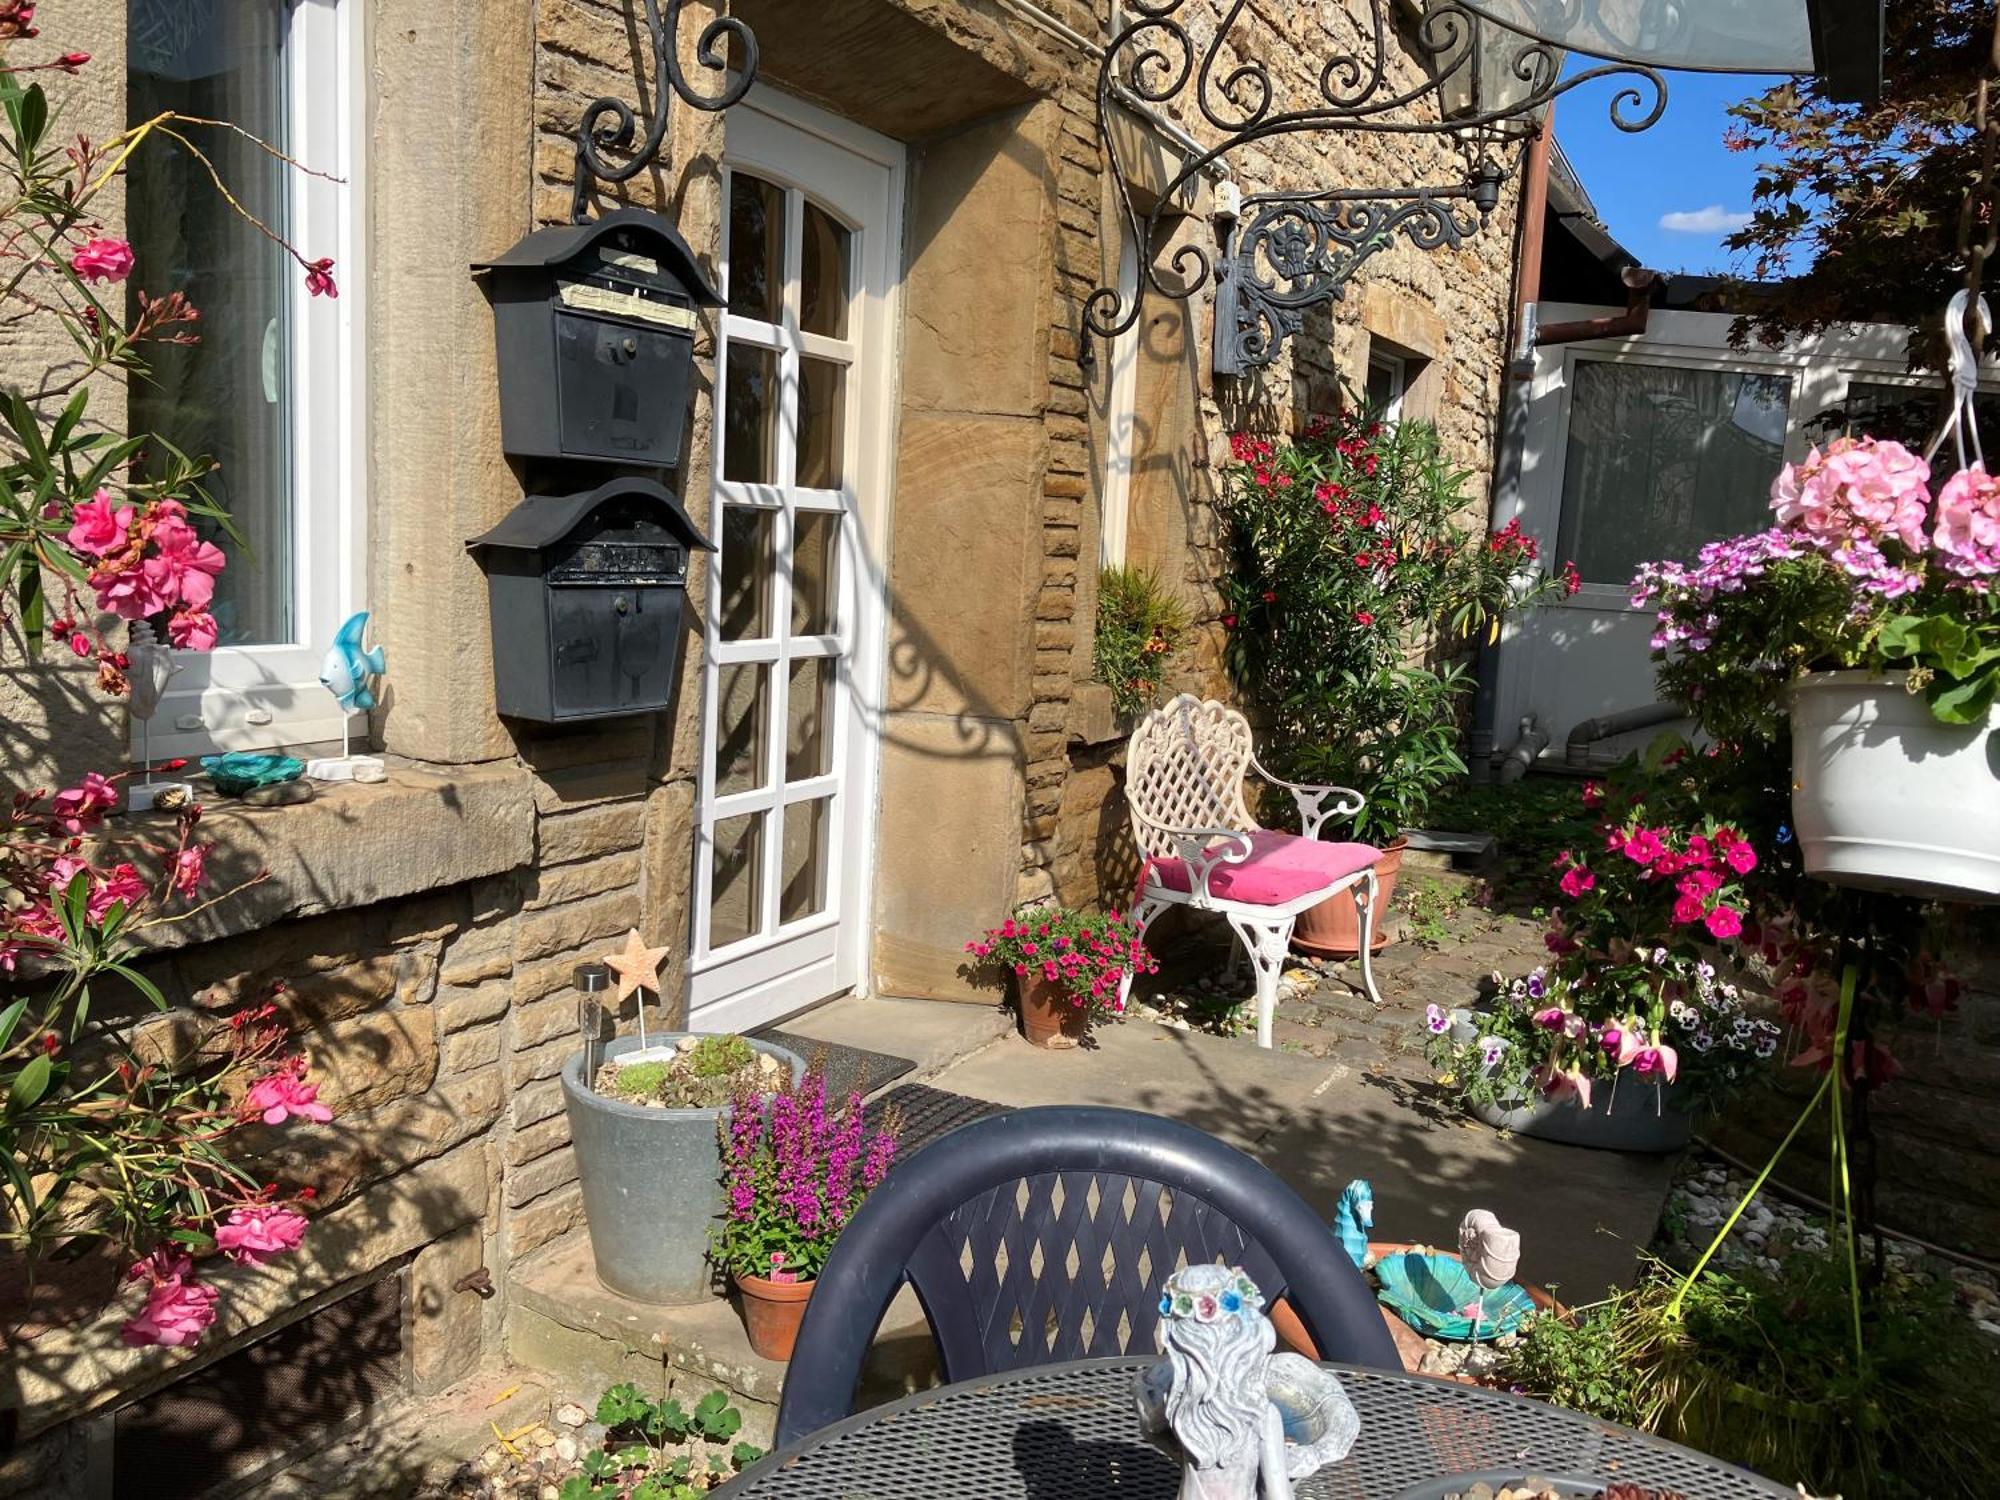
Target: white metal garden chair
<point>1184,785</point>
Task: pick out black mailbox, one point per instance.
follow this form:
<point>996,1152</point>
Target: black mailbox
<point>595,324</point>
<point>586,593</point>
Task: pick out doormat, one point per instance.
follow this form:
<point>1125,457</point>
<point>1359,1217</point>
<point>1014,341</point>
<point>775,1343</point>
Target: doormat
<point>849,1070</point>
<point>928,1113</point>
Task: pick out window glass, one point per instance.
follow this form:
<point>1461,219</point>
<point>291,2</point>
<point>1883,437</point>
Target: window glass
<point>1661,459</point>
<point>1907,413</point>
<point>227,396</point>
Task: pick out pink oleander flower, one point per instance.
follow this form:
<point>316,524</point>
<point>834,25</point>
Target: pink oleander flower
<point>184,569</point>
<point>192,630</point>
<point>80,808</point>
<point>103,259</point>
<point>124,884</point>
<point>1968,523</point>
<point>189,869</point>
<point>256,1232</point>
<point>99,526</point>
<point>178,1308</point>
<point>130,591</point>
<point>319,278</point>
<point>277,1097</point>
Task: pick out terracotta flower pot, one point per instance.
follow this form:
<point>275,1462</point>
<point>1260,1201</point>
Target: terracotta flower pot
<point>1331,929</point>
<point>772,1311</point>
<point>1048,1019</point>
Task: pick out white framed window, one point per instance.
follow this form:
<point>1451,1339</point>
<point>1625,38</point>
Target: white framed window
<point>272,392</point>
<point>1388,380</point>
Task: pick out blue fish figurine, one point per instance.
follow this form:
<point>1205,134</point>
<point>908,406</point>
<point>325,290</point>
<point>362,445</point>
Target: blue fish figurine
<point>346,669</point>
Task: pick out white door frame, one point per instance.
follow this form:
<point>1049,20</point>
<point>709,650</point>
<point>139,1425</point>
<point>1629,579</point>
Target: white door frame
<point>771,974</point>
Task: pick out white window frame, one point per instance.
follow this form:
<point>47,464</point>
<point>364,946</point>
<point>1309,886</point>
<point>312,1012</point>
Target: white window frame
<point>1397,367</point>
<point>255,697</point>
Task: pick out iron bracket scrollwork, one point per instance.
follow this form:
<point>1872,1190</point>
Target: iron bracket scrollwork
<point>610,124</point>
<point>1312,245</point>
<point>1296,248</point>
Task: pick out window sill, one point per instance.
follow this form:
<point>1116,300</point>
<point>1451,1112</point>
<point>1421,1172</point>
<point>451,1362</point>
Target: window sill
<point>353,845</point>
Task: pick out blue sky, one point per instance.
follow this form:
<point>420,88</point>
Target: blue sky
<point>1667,194</point>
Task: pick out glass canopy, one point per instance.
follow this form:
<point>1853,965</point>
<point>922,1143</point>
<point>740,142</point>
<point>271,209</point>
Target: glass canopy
<point>1726,36</point>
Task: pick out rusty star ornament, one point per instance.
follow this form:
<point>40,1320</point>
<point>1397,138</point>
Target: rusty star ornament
<point>637,967</point>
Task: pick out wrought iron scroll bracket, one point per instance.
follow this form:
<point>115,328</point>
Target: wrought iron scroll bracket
<point>1294,249</point>
<point>610,124</point>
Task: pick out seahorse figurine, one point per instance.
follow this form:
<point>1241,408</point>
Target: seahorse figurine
<point>1353,1217</point>
<point>1243,1421</point>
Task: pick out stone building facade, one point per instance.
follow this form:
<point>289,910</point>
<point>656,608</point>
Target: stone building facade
<point>428,927</point>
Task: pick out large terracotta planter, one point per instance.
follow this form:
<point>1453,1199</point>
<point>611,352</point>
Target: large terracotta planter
<point>1048,1019</point>
<point>1332,930</point>
<point>1887,798</point>
<point>772,1312</point>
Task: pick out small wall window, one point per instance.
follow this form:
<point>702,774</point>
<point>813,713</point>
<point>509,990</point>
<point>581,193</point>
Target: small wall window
<point>268,393</point>
<point>1388,382</point>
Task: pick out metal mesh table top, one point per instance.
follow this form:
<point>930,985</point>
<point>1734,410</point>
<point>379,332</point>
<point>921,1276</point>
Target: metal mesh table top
<point>1071,1432</point>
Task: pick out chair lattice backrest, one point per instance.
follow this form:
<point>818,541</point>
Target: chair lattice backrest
<point>1044,1234</point>
<point>1185,768</point>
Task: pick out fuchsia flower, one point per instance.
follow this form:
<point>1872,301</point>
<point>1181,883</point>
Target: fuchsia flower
<point>99,526</point>
<point>1621,1041</point>
<point>103,259</point>
<point>280,1096</point>
<point>256,1232</point>
<point>178,1308</point>
<point>1660,1059</point>
<point>1558,1084</point>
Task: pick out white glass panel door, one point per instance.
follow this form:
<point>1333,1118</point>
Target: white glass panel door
<point>794,618</point>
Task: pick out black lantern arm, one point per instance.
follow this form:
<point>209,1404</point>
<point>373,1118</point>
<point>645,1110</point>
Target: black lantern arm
<point>610,124</point>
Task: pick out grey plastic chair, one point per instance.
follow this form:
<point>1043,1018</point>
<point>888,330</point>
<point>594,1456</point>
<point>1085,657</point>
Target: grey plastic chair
<point>1043,1235</point>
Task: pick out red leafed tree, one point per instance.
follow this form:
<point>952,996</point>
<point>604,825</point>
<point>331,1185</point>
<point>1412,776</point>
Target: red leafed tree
<point>1856,207</point>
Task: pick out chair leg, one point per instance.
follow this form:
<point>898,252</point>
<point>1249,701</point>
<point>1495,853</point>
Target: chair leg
<point>1364,906</point>
<point>1142,914</point>
<point>1266,940</point>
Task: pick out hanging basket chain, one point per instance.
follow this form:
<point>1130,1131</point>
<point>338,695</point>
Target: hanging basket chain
<point>1968,322</point>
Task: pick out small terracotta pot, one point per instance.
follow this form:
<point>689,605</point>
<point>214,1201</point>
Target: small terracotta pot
<point>1332,930</point>
<point>772,1311</point>
<point>1048,1019</point>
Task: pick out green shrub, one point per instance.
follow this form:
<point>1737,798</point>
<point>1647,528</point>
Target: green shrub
<point>1139,631</point>
<point>707,1075</point>
<point>1759,1370</point>
<point>720,1056</point>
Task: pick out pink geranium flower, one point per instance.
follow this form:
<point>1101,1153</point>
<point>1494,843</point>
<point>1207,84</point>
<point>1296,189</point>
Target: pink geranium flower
<point>99,527</point>
<point>103,259</point>
<point>1968,523</point>
<point>256,1232</point>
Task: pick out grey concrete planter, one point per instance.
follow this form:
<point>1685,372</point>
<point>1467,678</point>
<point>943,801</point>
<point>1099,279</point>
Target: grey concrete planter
<point>651,1182</point>
<point>1638,1117</point>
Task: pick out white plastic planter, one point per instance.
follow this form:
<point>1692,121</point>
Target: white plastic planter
<point>1885,797</point>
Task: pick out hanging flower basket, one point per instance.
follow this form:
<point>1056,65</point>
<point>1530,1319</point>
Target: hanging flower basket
<point>1886,796</point>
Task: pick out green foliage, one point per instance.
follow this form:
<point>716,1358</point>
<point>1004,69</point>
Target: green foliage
<point>720,1056</point>
<point>1358,578</point>
<point>1532,821</point>
<point>646,1469</point>
<point>1759,1370</point>
<point>1139,630</point>
<point>1431,904</point>
<point>707,1075</point>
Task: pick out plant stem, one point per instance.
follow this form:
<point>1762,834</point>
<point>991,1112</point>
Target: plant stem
<point>1844,1202</point>
<point>1688,1281</point>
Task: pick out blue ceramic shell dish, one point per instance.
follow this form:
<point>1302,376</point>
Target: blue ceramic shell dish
<point>1434,1293</point>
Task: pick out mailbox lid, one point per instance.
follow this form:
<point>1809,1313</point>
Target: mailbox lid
<point>616,244</point>
<point>544,523</point>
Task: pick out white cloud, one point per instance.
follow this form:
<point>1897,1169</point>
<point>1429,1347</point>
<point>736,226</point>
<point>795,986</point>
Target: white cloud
<point>1715,219</point>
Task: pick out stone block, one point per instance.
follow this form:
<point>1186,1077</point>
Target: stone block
<point>596,919</point>
<point>539,1139</point>
<point>460,1008</point>
<point>551,885</point>
<point>368,1060</point>
<point>971,513</point>
<point>536,1102</point>
<point>538,1062</point>
<point>950,826</point>
<point>588,832</point>
<point>445,1323</point>
<point>465,1050</point>
<point>543,1175</point>
<point>533,1225</point>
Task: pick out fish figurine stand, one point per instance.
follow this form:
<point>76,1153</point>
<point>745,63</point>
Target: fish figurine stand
<point>1243,1421</point>
<point>347,672</point>
<point>152,667</point>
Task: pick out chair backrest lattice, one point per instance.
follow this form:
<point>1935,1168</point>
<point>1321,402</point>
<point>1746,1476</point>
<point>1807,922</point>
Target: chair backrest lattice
<point>1068,1265</point>
<point>1185,768</point>
<point>1044,1234</point>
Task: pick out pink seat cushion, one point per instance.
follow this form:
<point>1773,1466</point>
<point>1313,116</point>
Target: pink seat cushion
<point>1281,867</point>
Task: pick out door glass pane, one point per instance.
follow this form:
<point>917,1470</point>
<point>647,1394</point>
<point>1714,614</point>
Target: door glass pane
<point>1907,413</point>
<point>741,716</point>
<point>822,422</point>
<point>823,284</point>
<point>803,891</point>
<point>226,395</point>
<point>756,247</point>
<point>750,416</point>
<point>734,911</point>
<point>1661,460</point>
<point>815,561</point>
<point>809,708</point>
<point>748,556</point>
